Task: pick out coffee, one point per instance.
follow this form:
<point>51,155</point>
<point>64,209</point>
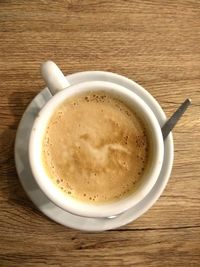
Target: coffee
<point>95,148</point>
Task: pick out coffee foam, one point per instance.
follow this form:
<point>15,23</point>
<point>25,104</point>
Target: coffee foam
<point>95,148</point>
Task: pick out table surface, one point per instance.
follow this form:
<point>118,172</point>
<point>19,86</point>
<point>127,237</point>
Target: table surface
<point>155,43</point>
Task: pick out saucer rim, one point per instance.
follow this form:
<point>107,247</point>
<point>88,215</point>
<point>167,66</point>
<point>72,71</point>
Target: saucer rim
<point>169,142</point>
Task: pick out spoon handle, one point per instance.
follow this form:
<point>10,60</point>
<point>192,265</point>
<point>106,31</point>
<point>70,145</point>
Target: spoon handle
<point>169,125</point>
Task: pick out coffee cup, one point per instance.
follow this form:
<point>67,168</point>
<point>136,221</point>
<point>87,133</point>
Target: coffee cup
<point>62,92</point>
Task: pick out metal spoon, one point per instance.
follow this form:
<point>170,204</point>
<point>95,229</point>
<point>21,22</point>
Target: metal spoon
<point>169,125</point>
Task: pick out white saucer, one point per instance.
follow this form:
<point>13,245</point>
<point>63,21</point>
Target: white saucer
<point>38,197</point>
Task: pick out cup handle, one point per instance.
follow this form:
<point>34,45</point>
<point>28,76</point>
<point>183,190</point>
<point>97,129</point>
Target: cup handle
<point>53,77</point>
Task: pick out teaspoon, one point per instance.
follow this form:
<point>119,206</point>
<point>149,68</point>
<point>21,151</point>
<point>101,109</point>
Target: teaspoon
<point>172,121</point>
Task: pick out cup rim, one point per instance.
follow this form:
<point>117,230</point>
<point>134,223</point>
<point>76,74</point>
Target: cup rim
<point>45,183</point>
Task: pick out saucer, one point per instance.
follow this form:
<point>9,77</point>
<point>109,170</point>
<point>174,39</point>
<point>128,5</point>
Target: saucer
<point>39,198</point>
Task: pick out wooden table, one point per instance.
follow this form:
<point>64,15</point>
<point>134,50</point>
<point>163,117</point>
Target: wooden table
<point>157,44</point>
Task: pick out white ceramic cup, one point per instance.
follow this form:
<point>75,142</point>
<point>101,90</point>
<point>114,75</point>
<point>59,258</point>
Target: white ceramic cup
<point>61,90</point>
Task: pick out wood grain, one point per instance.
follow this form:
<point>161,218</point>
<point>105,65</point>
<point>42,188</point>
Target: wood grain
<point>155,43</point>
